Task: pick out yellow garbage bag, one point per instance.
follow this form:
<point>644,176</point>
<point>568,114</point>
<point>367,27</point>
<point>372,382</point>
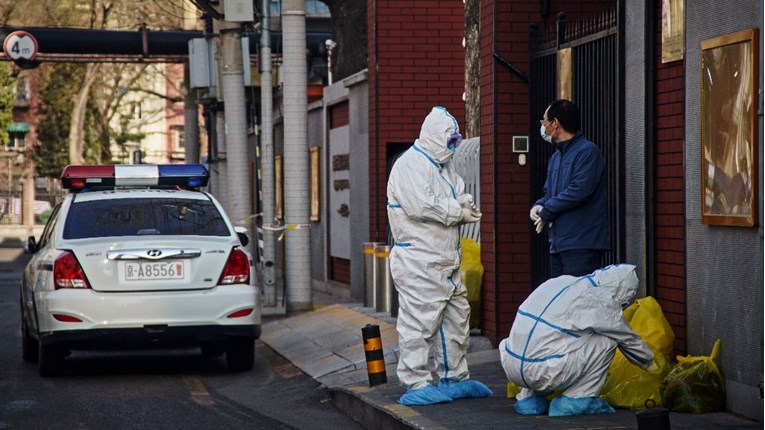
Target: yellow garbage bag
<point>471,270</point>
<point>627,385</point>
<point>513,390</point>
<point>695,384</point>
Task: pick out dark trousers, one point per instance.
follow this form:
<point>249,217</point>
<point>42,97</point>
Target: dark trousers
<point>577,262</point>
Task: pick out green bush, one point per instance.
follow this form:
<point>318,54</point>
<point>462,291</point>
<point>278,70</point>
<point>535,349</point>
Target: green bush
<point>43,217</point>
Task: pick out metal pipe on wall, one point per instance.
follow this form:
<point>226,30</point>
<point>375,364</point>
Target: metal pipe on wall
<point>267,152</point>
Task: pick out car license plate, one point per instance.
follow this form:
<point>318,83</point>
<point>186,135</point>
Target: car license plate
<point>154,271</point>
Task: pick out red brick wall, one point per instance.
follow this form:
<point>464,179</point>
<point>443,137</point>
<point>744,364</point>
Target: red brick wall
<point>416,61</point>
<point>341,270</point>
<point>669,192</point>
<point>339,115</point>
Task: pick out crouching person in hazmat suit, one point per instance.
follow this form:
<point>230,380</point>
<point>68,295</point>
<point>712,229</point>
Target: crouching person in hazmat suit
<point>564,338</point>
<point>426,204</point>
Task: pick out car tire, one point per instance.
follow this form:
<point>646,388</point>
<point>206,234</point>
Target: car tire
<point>212,349</point>
<point>50,359</point>
<point>240,354</point>
<point>29,347</point>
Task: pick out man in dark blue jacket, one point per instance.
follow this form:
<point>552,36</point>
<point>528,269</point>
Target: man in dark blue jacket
<point>574,204</point>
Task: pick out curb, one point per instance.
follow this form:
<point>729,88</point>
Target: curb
<point>379,415</point>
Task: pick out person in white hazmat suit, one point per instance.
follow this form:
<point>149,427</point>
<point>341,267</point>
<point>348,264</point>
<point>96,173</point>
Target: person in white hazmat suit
<point>426,204</point>
<point>564,338</point>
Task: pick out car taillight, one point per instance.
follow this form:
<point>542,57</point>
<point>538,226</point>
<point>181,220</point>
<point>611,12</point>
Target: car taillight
<point>67,272</point>
<point>237,270</point>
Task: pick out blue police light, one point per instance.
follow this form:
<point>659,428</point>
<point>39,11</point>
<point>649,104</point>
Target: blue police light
<point>183,175</point>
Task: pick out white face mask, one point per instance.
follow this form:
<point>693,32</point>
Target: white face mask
<point>545,136</point>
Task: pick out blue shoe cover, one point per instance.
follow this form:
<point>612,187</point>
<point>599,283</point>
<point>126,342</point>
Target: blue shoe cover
<point>429,395</point>
<point>467,389</point>
<point>564,406</point>
<point>534,405</point>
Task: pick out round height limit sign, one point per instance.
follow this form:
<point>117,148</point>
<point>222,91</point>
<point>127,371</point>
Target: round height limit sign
<point>20,45</point>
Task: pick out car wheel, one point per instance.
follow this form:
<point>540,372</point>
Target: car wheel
<point>240,354</point>
<point>50,359</point>
<point>212,349</point>
<point>28,343</point>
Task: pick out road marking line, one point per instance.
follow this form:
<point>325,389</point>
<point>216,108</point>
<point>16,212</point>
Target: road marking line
<point>287,371</point>
<point>197,390</point>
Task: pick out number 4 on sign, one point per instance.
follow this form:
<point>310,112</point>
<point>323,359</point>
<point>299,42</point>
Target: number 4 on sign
<point>20,45</point>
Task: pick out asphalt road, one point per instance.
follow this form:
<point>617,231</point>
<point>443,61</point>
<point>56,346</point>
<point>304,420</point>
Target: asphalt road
<point>176,389</point>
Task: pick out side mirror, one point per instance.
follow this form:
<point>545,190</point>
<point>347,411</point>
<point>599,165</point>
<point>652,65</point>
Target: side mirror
<point>242,233</point>
<point>31,246</point>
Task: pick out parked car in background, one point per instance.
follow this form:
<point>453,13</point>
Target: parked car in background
<point>138,256</point>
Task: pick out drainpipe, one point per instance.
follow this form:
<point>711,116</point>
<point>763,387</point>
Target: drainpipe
<point>191,120</point>
<point>220,160</point>
<point>296,184</point>
<point>267,154</point>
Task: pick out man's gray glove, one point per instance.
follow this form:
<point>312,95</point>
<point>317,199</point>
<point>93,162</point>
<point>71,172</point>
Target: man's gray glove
<point>469,215</point>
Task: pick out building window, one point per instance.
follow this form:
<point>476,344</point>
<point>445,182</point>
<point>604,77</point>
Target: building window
<point>311,7</point>
<point>21,90</point>
<point>17,140</point>
<point>176,134</point>
<point>136,111</point>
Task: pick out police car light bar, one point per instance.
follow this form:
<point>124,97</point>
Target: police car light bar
<point>79,178</point>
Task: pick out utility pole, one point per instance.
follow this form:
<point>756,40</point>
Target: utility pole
<point>267,154</point>
<point>232,87</point>
<point>296,180</point>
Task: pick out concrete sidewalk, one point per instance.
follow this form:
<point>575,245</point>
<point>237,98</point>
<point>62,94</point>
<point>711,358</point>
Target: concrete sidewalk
<point>326,344</point>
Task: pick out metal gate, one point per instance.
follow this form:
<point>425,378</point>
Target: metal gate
<point>593,84</point>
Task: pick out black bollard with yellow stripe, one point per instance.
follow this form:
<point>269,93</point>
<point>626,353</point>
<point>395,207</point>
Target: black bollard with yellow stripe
<point>374,354</point>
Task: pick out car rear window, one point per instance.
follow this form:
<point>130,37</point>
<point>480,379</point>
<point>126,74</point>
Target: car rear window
<point>136,217</point>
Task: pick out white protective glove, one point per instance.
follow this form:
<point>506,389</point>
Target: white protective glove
<point>466,201</point>
<point>653,367</point>
<point>539,224</point>
<point>534,214</point>
<point>469,215</point>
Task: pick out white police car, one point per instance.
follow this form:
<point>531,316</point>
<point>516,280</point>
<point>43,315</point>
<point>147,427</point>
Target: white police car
<point>137,256</point>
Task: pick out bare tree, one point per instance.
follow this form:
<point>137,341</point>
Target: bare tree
<point>99,80</point>
<point>472,69</point>
<point>349,31</point>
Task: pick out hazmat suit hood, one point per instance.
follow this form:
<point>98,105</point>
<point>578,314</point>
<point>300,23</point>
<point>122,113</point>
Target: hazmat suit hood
<point>435,132</point>
<point>620,280</point>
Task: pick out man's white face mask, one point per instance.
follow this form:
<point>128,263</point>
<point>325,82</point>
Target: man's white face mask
<point>545,136</point>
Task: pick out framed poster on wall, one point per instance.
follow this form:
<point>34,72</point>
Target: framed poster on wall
<point>315,183</point>
<point>729,135</point>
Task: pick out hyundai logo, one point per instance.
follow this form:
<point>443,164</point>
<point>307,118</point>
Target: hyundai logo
<point>154,253</point>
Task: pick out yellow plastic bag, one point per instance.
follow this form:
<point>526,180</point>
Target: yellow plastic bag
<point>627,385</point>
<point>471,270</point>
<point>695,384</point>
<point>512,390</point>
